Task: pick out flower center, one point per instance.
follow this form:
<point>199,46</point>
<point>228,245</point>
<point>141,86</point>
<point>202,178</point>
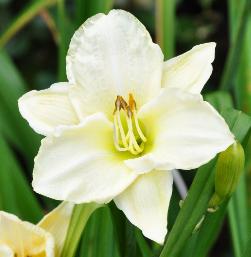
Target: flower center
<point>128,135</point>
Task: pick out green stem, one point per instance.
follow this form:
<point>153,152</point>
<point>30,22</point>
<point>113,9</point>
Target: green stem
<point>165,26</point>
<point>27,14</point>
<point>80,216</point>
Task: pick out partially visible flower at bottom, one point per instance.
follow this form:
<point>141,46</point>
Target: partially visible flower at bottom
<point>20,238</point>
<point>123,121</point>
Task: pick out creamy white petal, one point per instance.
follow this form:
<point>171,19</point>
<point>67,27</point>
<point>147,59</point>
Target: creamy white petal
<point>145,203</point>
<point>47,109</point>
<point>6,251</point>
<point>183,131</point>
<point>112,55</point>
<point>80,164</point>
<point>56,223</point>
<point>191,70</point>
<point>24,238</point>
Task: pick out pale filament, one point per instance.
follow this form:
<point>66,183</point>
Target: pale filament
<point>124,138</point>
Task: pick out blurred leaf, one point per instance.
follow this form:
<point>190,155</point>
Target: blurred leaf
<point>15,194</point>
<point>13,126</point>
<point>66,30</point>
<point>192,210</point>
<point>99,234</point>
<point>238,218</point>
<point>86,9</point>
<point>143,246</point>
<point>220,100</point>
<point>29,12</point>
<point>195,204</point>
<point>247,252</point>
<point>79,219</point>
<point>165,26</point>
<point>233,56</point>
<point>239,209</point>
<point>242,79</point>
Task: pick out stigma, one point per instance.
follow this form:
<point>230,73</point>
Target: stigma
<point>128,135</point>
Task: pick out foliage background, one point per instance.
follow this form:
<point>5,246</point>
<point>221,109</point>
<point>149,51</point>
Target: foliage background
<point>34,36</point>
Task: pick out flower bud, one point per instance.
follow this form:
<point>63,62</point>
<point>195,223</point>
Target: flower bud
<point>229,167</point>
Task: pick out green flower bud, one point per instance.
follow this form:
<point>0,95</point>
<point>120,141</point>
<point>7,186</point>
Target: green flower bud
<point>229,167</point>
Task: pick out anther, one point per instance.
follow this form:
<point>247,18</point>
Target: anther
<point>132,103</point>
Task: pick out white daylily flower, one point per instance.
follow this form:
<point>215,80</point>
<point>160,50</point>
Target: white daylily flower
<point>94,152</point>
<point>20,238</point>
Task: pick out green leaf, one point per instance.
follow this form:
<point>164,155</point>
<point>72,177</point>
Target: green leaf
<point>220,100</point>
<point>12,125</point>
<point>86,9</point>
<point>66,29</point>
<point>29,12</point>
<point>234,51</point>
<point>242,77</point>
<point>238,207</point>
<point>16,195</point>
<point>192,210</point>
<point>99,234</point>
<point>238,218</point>
<point>143,246</point>
<point>79,219</point>
<point>247,252</point>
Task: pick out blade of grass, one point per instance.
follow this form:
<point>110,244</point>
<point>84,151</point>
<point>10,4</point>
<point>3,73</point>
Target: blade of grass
<point>165,26</point>
<point>29,12</point>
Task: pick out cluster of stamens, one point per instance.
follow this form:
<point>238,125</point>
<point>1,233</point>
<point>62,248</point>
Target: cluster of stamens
<point>128,135</point>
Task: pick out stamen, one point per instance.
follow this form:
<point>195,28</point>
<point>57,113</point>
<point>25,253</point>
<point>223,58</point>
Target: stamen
<point>126,140</point>
<point>132,142</point>
<point>121,129</point>
<point>142,136</point>
<point>116,136</point>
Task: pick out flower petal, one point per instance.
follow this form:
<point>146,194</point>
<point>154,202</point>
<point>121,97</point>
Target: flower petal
<point>6,251</point>
<point>112,55</point>
<point>56,222</point>
<point>146,201</point>
<point>47,109</point>
<point>23,237</point>
<point>184,132</point>
<point>191,70</point>
<point>80,164</point>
